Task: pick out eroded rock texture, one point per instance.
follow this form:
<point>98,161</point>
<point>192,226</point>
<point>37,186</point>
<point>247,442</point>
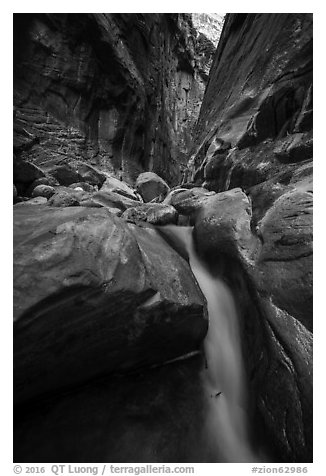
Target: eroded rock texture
<point>255,132</point>
<point>121,91</point>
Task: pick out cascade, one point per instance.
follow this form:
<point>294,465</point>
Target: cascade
<point>226,429</point>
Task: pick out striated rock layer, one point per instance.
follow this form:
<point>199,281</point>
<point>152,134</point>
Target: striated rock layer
<point>122,91</point>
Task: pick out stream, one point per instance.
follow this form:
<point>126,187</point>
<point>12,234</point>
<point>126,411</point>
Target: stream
<point>226,426</point>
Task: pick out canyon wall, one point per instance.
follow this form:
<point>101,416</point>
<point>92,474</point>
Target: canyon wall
<point>120,91</point>
<point>253,145</point>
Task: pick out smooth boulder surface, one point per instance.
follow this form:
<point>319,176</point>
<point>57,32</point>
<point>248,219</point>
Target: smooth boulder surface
<point>25,172</point>
<point>112,184</point>
<point>150,186</point>
<point>222,226</point>
<point>109,199</point>
<point>94,295</point>
<point>188,201</point>
<point>154,213</point>
<point>270,269</point>
<point>284,265</point>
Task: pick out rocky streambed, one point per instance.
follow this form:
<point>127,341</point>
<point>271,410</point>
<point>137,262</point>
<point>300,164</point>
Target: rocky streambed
<point>109,319</point>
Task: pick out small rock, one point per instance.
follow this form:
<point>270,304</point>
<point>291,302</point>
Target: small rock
<point>33,201</point>
<point>83,185</point>
<point>43,191</point>
<point>150,186</point>
<point>63,198</point>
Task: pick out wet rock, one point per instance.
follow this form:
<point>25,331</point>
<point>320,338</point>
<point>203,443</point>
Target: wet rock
<point>112,184</point>
<point>14,192</point>
<point>154,213</point>
<point>43,191</point>
<point>33,201</point>
<point>222,226</point>
<point>95,295</point>
<point>284,264</point>
<point>150,186</point>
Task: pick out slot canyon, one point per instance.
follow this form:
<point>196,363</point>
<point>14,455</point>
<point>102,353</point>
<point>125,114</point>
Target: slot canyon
<point>162,212</point>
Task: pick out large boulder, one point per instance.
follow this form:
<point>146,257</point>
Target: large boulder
<point>284,264</point>
<point>155,213</point>
<point>188,201</point>
<point>112,184</point>
<point>150,186</point>
<point>222,226</point>
<point>95,295</point>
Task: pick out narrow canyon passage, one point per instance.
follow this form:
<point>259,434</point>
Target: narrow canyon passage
<point>226,425</point>
<point>162,196</point>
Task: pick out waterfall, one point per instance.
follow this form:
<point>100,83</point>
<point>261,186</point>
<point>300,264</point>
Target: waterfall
<point>226,421</point>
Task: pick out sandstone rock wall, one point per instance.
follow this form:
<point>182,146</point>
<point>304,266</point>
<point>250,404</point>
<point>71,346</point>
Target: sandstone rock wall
<point>120,90</point>
<point>255,133</point>
<point>256,117</point>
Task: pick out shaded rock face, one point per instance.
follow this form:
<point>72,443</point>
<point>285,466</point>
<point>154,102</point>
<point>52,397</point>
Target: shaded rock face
<point>95,295</point>
<point>117,90</point>
<point>255,132</point>
<point>151,186</point>
<point>132,419</point>
<point>155,213</point>
<point>259,95</point>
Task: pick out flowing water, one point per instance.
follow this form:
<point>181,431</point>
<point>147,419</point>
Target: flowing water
<point>226,420</point>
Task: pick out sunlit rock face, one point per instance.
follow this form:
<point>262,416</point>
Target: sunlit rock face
<point>209,24</point>
<point>121,91</point>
